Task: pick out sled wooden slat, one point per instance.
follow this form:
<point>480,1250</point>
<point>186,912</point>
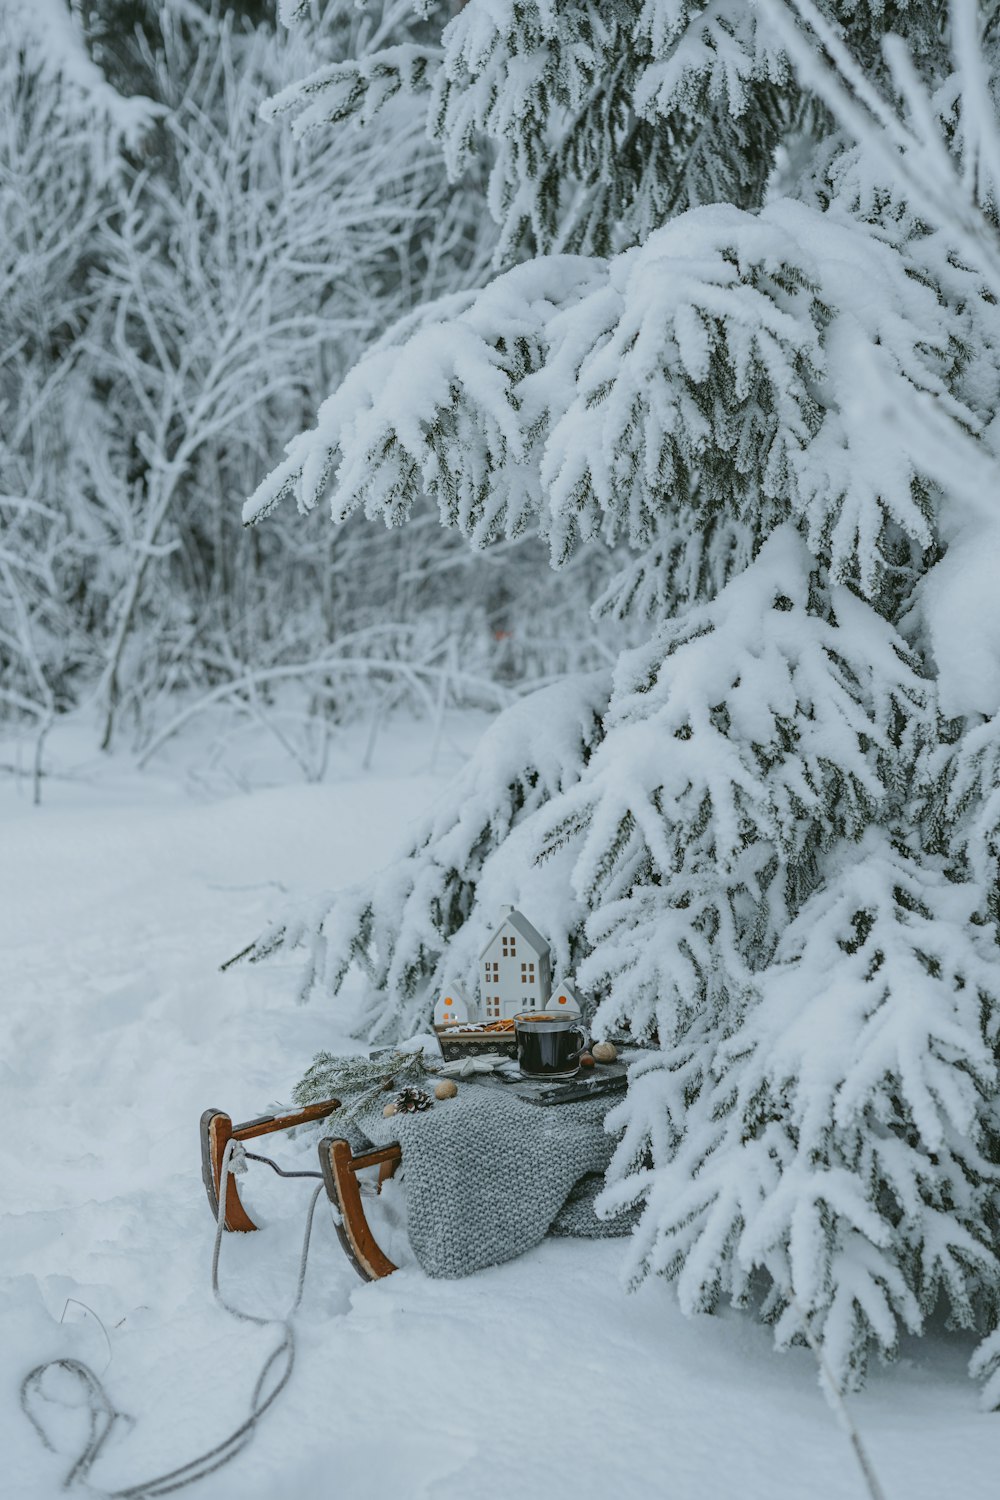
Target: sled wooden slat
<point>340,1169</point>
<point>217,1130</point>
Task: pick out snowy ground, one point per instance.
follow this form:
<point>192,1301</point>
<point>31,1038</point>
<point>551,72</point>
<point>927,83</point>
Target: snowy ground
<point>118,899</point>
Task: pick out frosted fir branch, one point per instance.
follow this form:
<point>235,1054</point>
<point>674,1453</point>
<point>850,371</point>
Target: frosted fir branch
<point>985,1366</point>
<point>749,735</point>
<point>400,432</point>
<point>357,1081</point>
<point>355,89</point>
<point>833,1137</point>
<point>912,149</point>
<point>723,369</point>
<point>699,353</point>
<point>961,806</point>
<point>702,49</point>
<point>604,122</point>
<point>599,120</point>
<point>50,35</point>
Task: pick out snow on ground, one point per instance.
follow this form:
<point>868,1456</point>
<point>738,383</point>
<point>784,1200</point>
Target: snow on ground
<point>119,896</point>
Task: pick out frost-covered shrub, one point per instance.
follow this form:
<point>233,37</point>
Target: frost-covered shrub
<point>180,283</point>
<point>53,199</point>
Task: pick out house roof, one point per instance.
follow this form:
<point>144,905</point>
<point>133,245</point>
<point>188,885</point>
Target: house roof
<point>454,988</point>
<point>523,927</point>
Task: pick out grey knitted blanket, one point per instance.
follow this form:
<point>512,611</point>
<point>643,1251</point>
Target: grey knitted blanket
<point>487,1175</point>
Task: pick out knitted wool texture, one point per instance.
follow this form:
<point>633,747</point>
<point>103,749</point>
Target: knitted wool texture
<point>487,1175</point>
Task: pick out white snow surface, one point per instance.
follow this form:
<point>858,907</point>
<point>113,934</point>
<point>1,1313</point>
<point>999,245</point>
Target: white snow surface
<point>119,896</point>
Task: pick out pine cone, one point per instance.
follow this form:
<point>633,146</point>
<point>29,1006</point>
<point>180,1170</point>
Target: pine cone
<point>409,1100</point>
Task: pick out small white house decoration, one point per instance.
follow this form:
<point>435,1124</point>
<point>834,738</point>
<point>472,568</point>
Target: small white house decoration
<point>452,1005</point>
<point>515,974</point>
<point>514,969</point>
<point>563,999</point>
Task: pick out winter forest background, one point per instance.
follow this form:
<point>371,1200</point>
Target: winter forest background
<point>664,339</point>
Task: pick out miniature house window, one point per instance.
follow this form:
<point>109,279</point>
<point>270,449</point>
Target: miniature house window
<point>563,1000</point>
<point>509,949</point>
<point>494,975</point>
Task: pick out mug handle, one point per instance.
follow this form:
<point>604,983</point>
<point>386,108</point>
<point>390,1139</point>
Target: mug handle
<point>583,1032</point>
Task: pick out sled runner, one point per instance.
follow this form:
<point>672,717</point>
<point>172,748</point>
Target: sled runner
<point>339,1171</point>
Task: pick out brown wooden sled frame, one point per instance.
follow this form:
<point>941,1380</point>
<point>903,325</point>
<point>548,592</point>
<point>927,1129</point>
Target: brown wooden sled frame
<point>339,1168</point>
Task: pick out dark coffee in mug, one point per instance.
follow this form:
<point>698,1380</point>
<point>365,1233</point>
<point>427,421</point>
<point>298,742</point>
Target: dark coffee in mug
<point>549,1046</point>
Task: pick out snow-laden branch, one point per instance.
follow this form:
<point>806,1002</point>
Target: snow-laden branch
<point>950,187</point>
<point>729,366</point>
<point>50,33</point>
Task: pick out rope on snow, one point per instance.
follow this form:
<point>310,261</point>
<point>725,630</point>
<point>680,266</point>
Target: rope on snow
<point>103,1414</point>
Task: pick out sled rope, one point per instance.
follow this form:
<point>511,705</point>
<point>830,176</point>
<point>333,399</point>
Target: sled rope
<point>281,1171</point>
<point>103,1414</point>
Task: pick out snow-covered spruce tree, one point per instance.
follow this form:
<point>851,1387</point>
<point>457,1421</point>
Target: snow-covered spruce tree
<point>752,345</point>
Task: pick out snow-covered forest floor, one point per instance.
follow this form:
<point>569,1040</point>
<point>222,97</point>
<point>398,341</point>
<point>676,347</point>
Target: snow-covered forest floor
<point>119,897</point>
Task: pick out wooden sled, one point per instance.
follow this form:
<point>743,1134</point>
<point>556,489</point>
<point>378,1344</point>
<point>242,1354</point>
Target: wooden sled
<point>339,1171</point>
<point>217,1130</point>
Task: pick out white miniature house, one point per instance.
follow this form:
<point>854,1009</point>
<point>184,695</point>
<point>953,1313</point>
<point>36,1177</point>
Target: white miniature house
<point>515,974</point>
<point>563,999</point>
<point>514,969</point>
<point>453,1006</point>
